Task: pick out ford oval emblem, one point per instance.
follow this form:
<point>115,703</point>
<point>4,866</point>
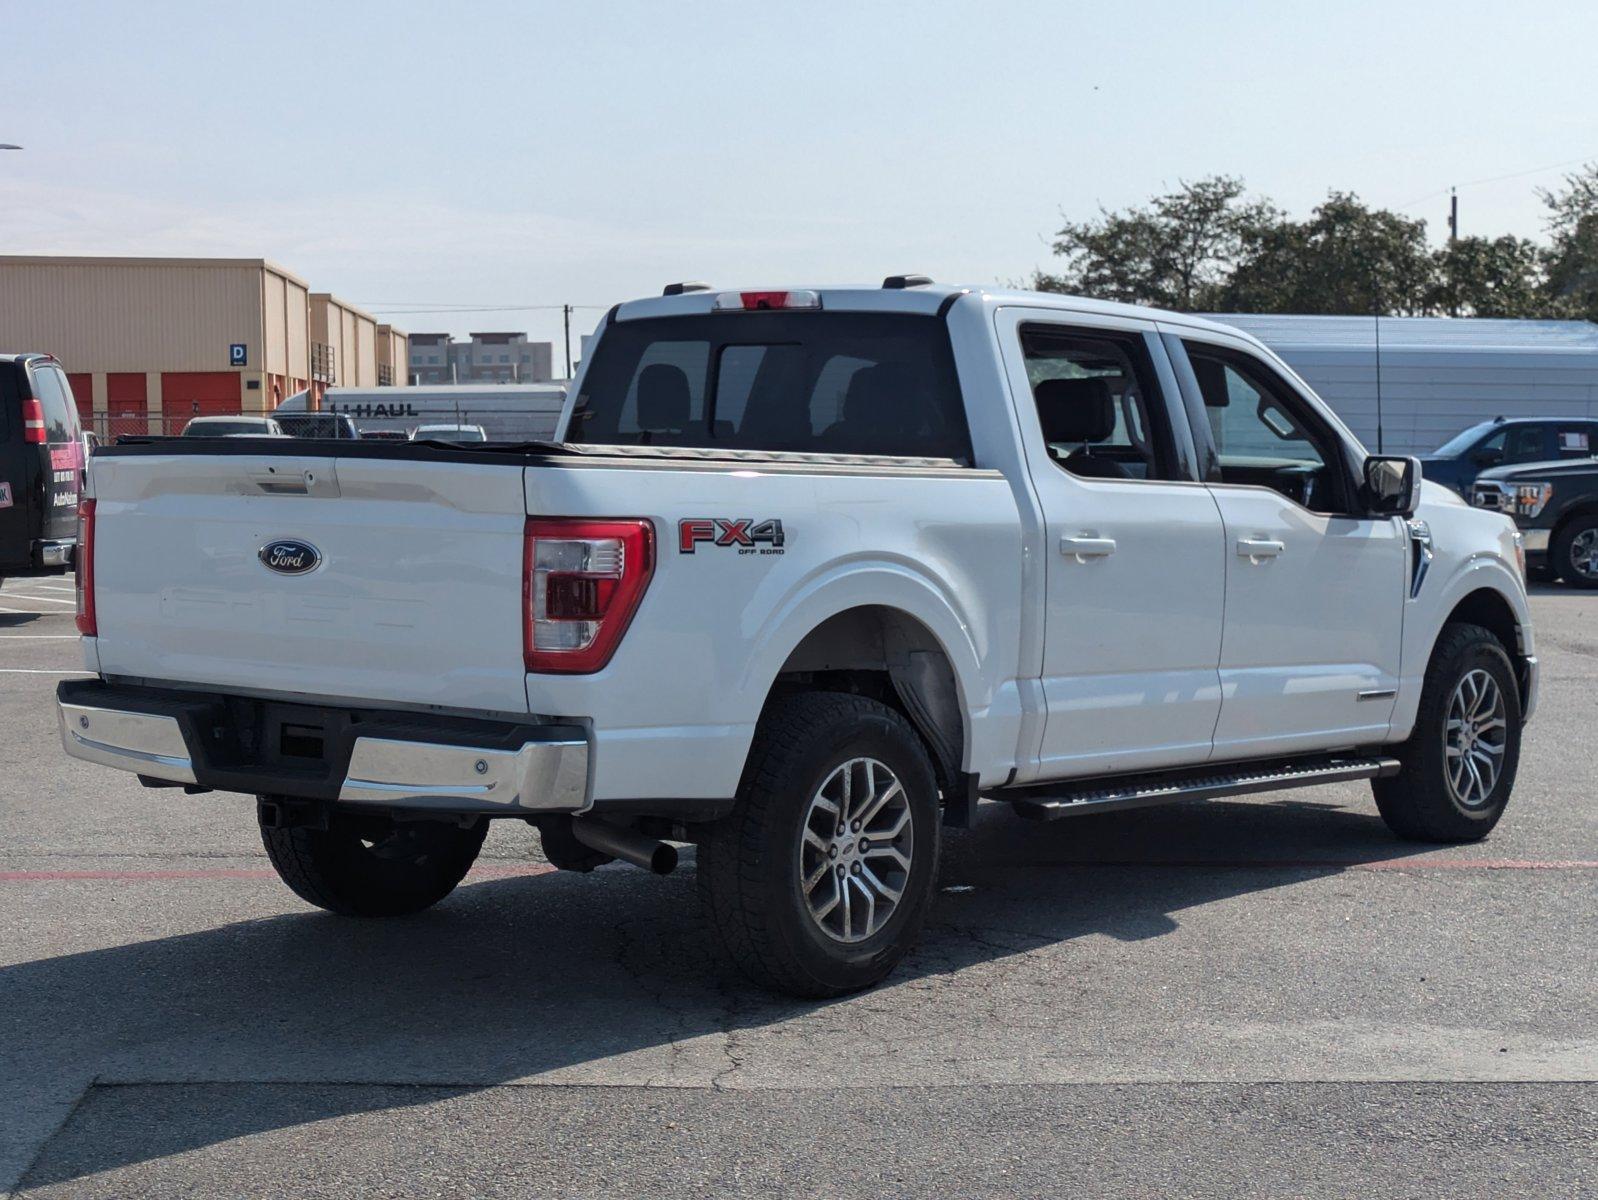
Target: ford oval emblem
<point>289,557</point>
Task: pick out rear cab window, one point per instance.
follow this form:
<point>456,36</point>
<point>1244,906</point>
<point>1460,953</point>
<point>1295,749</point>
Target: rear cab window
<point>802,382</point>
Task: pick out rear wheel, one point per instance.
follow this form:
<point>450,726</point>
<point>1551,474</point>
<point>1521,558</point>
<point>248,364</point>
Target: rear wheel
<point>1459,764</point>
<point>371,866</point>
<point>820,880</point>
<point>1574,552</point>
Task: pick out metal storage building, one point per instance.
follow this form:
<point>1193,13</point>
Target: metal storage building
<point>150,343</point>
<point>1439,375</point>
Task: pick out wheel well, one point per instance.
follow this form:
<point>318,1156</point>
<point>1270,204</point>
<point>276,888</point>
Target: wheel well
<point>890,656</point>
<point>1587,509</point>
<point>1489,609</point>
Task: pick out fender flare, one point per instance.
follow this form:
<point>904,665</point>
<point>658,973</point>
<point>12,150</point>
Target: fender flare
<point>873,582</point>
<point>1483,571</point>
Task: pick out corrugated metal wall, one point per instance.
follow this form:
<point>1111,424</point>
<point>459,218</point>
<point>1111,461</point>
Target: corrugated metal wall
<point>1438,376</point>
<point>297,302</point>
<point>107,315</point>
<point>353,336</point>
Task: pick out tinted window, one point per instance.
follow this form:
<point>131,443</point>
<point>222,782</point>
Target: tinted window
<point>55,397</point>
<point>1098,402</point>
<point>1515,444</point>
<point>825,383</point>
<point>1526,443</point>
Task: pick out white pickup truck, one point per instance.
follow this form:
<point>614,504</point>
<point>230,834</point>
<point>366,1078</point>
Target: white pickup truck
<point>805,575</point>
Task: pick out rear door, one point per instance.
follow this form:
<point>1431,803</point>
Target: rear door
<point>17,471</point>
<point>61,457</point>
<point>1134,545</point>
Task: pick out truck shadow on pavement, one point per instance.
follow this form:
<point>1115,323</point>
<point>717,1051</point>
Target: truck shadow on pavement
<point>609,978</point>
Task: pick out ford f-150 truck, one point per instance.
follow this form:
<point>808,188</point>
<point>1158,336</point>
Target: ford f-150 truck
<point>1556,506</point>
<point>805,575</point>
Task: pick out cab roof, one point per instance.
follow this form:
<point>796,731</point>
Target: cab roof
<point>927,298</point>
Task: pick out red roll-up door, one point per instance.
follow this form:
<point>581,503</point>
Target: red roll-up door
<point>189,394</point>
<point>127,406</point>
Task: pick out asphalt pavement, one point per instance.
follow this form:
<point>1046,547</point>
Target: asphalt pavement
<point>1264,997</point>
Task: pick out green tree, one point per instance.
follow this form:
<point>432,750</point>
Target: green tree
<point>1174,253</point>
<point>1346,258</point>
<point>1482,277</point>
<point>1572,277</point>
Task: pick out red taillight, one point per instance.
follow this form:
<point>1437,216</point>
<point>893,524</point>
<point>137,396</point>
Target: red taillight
<point>33,421</point>
<point>581,583</point>
<point>84,558</point>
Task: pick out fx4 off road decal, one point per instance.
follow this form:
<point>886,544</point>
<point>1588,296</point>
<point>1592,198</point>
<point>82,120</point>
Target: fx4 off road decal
<point>745,534</point>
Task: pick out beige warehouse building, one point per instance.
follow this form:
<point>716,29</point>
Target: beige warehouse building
<point>149,343</point>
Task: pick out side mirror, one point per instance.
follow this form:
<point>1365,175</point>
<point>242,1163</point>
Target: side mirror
<point>1392,485</point>
<point>1491,456</point>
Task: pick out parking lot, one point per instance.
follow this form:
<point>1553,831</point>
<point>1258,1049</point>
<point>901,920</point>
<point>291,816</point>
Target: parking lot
<point>1261,996</point>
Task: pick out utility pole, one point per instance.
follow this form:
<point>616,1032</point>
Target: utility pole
<point>566,313</point>
<point>1453,214</point>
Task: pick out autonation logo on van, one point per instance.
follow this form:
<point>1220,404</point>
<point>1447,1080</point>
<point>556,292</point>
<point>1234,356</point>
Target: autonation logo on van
<point>289,557</point>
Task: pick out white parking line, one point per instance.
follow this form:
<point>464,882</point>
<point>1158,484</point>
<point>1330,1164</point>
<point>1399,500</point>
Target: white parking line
<point>46,599</point>
<point>38,637</point>
<point>49,587</point>
<point>39,671</point>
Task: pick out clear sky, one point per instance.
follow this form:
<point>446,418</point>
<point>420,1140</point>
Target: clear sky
<point>412,156</point>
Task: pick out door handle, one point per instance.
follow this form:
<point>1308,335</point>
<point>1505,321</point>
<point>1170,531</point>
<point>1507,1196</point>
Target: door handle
<point>1084,547</point>
<point>1257,549</point>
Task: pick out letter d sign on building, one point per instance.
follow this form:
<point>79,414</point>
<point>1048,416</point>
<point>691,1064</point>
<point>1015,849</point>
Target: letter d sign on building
<point>237,355</point>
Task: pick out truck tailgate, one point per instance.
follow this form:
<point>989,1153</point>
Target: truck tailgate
<point>416,598</point>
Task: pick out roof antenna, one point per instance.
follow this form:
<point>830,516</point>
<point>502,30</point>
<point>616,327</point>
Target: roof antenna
<point>1376,320</point>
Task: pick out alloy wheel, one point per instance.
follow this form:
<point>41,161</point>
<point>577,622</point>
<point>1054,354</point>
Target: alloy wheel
<point>1475,738</point>
<point>1584,553</point>
<point>856,850</point>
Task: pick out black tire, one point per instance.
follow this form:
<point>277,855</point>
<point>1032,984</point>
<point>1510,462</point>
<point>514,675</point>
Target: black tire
<point>374,867</point>
<point>750,862</point>
<point>1562,546</point>
<point>1419,803</point>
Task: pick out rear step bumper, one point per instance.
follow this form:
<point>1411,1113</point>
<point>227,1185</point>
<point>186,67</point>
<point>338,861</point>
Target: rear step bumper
<point>57,553</point>
<point>1203,783</point>
<point>354,757</point>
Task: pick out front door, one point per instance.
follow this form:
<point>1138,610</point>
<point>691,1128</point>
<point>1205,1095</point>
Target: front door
<point>1314,591</point>
<point>1135,552</point>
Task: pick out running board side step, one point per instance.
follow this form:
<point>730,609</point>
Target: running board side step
<point>1053,801</point>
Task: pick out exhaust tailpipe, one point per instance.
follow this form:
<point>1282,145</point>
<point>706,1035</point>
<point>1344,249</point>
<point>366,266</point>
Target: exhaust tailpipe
<point>641,851</point>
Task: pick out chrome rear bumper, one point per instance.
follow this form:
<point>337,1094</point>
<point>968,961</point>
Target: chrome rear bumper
<point>538,777</point>
<point>130,741</point>
<point>506,770</point>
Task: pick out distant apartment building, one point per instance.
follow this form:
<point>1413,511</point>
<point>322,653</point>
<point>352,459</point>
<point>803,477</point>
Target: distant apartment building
<point>487,358</point>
